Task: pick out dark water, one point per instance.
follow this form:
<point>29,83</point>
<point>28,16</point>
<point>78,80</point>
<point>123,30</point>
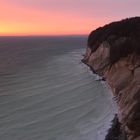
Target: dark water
<point>46,93</point>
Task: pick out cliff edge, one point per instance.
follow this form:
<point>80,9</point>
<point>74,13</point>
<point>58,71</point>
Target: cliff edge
<point>113,52</point>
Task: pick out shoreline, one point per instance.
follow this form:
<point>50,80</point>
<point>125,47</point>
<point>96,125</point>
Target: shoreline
<point>114,129</point>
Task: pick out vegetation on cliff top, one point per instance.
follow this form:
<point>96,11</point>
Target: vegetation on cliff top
<point>123,37</point>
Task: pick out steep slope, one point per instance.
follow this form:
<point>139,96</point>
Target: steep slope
<point>113,52</point>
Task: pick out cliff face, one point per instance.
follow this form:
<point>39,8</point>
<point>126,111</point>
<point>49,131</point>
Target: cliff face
<point>116,57</point>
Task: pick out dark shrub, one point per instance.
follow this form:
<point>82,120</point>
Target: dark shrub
<point>123,37</point>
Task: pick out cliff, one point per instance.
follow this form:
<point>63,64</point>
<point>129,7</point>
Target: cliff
<point>113,52</point>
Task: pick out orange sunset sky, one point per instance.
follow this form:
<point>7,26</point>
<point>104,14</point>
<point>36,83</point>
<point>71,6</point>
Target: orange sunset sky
<point>60,17</point>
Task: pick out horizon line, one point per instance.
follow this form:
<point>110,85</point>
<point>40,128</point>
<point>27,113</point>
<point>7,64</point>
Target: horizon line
<point>51,35</point>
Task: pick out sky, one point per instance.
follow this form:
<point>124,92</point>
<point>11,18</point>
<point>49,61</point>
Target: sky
<point>62,17</point>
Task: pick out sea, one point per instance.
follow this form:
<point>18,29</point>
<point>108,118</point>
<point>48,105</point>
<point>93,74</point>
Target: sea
<point>47,93</point>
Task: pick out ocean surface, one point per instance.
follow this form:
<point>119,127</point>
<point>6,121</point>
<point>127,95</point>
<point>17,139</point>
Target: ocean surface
<point>46,93</point>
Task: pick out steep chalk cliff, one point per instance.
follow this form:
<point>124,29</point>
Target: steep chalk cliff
<point>113,52</point>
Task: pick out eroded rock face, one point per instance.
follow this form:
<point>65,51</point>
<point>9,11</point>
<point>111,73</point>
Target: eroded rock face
<point>123,76</point>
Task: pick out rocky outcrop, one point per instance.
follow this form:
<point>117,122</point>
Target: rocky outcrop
<point>113,52</point>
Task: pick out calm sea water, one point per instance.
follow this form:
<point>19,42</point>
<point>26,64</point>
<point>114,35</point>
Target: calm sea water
<point>46,93</point>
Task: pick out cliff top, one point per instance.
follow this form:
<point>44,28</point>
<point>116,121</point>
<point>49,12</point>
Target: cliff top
<point>123,37</point>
